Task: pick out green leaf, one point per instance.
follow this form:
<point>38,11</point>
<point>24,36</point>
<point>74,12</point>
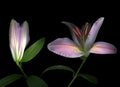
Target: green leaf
<point>9,79</point>
<point>34,81</point>
<point>33,50</point>
<point>88,77</point>
<point>58,67</point>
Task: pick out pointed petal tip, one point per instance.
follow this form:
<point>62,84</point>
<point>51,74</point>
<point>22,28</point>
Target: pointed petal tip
<point>25,22</point>
<point>101,19</point>
<point>114,50</point>
<point>65,22</point>
<point>69,24</point>
<point>12,21</point>
<point>25,25</point>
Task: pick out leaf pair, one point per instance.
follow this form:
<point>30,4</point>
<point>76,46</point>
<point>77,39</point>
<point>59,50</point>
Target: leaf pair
<point>88,77</point>
<point>32,81</point>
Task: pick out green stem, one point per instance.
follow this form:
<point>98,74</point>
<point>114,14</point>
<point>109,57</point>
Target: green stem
<point>75,76</point>
<point>20,67</point>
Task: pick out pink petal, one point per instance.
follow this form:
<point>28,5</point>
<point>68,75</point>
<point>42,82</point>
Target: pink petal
<point>103,48</point>
<point>24,38</point>
<point>14,31</point>
<point>65,47</point>
<point>14,37</point>
<point>75,31</point>
<point>25,32</point>
<point>93,32</point>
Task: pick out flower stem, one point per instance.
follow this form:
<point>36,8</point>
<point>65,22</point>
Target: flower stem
<point>75,76</point>
<point>20,67</point>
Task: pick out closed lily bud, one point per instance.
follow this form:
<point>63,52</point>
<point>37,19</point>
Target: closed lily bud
<point>18,38</point>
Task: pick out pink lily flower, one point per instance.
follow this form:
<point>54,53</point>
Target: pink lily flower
<point>83,42</point>
<point>18,37</point>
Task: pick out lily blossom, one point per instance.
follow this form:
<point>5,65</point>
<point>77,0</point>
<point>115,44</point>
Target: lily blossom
<point>83,42</point>
<point>18,38</point>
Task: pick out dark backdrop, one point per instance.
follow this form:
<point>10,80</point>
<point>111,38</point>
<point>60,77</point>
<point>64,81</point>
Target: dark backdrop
<point>45,21</point>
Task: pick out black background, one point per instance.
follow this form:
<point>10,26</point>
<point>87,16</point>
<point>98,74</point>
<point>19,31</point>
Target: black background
<point>45,21</point>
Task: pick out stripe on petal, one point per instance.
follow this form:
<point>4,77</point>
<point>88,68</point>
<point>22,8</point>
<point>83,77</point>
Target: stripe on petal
<point>103,48</point>
<point>75,31</point>
<point>65,47</point>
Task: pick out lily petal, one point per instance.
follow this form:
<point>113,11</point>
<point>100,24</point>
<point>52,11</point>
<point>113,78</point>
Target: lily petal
<point>103,48</point>
<point>93,33</point>
<point>14,31</point>
<point>65,47</point>
<point>24,38</point>
<point>75,31</point>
